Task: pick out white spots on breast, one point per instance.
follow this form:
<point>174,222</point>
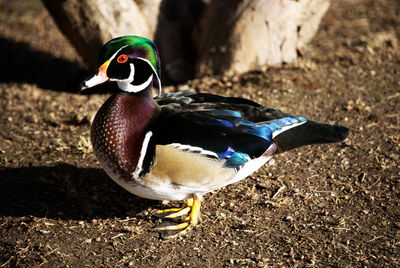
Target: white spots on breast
<point>107,134</point>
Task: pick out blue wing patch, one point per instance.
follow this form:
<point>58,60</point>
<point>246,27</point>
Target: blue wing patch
<point>266,131</point>
<point>228,153</point>
<point>234,159</point>
<point>233,119</point>
<point>232,122</point>
<point>237,160</point>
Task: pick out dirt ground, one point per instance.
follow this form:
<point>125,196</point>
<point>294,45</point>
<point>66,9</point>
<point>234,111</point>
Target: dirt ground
<point>324,206</point>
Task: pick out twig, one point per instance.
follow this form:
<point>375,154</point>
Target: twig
<point>277,192</point>
<point>375,237</point>
<point>374,183</point>
<point>116,236</point>
<point>4,264</point>
<point>393,96</point>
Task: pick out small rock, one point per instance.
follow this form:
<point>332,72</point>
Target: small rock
<point>289,219</point>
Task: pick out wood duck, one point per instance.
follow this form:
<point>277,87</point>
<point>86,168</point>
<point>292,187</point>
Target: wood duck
<point>179,146</point>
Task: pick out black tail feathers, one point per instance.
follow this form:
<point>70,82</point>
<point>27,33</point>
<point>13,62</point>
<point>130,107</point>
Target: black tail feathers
<point>309,133</point>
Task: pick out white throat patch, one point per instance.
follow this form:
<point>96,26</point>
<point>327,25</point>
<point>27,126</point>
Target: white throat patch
<point>126,85</point>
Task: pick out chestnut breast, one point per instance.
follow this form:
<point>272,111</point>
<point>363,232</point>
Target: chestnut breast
<point>118,131</point>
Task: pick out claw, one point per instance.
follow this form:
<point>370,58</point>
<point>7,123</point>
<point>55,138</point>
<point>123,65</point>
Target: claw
<point>165,213</point>
<point>172,227</point>
<point>183,212</point>
<point>179,219</point>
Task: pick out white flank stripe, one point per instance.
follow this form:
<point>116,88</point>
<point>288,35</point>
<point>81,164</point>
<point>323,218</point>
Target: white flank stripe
<point>143,151</point>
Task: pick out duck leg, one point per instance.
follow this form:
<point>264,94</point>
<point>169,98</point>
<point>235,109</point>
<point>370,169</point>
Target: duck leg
<point>179,219</point>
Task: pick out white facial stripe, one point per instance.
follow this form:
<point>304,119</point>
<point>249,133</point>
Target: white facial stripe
<point>154,71</point>
<point>126,85</point>
<point>130,78</point>
<point>132,73</point>
<point>143,151</point>
<point>115,54</point>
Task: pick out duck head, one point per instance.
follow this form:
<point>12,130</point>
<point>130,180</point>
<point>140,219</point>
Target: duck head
<point>131,61</point>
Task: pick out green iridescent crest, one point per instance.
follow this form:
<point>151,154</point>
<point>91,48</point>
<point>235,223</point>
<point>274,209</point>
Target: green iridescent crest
<point>135,46</point>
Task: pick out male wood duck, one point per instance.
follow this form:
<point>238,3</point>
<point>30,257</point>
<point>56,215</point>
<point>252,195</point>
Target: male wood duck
<point>179,146</point>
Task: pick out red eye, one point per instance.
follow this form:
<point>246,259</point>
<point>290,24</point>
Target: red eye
<point>122,58</point>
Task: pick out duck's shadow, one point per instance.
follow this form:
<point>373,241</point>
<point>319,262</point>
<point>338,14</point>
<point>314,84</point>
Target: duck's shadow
<point>65,192</point>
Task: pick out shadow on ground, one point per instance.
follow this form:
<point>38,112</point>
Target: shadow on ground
<point>65,192</point>
<point>23,64</point>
